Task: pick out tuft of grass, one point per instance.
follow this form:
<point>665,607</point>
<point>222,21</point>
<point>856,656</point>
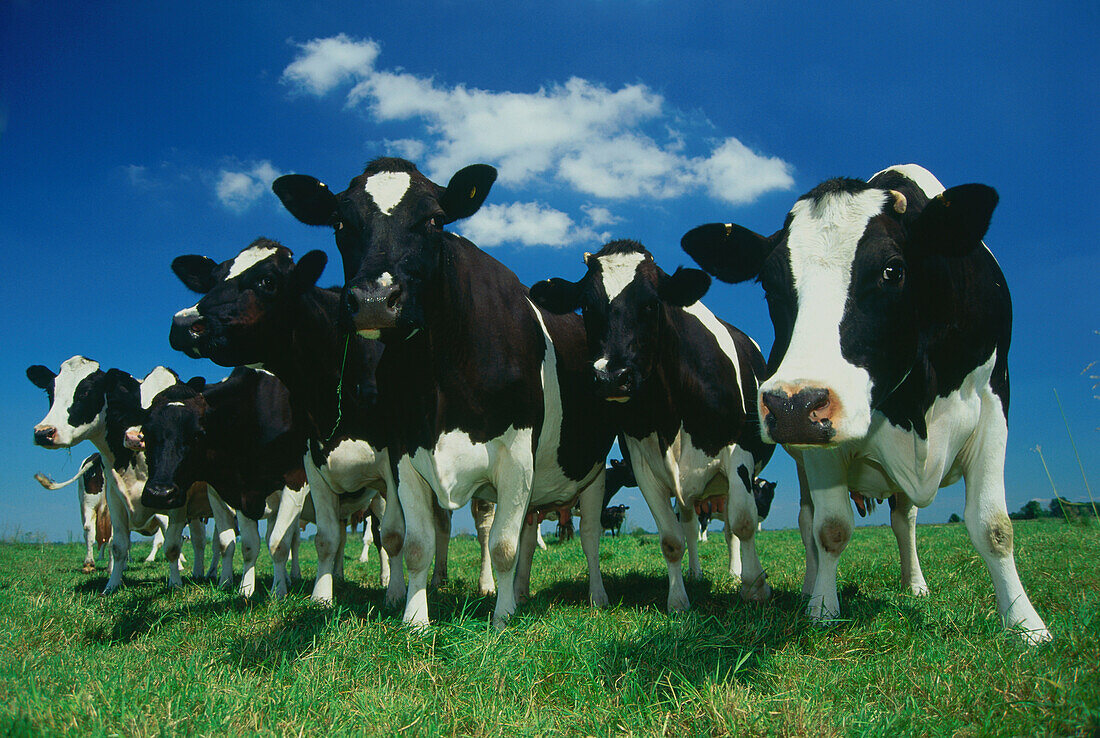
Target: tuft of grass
<point>150,660</point>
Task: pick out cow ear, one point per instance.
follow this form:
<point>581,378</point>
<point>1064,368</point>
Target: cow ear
<point>196,272</point>
<point>954,222</point>
<point>728,251</point>
<point>307,271</point>
<point>307,198</point>
<point>40,376</point>
<point>685,287</point>
<point>197,383</point>
<point>466,191</point>
<point>557,295</point>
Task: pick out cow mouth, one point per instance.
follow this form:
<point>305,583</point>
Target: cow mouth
<point>618,398</point>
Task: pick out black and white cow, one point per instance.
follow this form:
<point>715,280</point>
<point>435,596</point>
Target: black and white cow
<point>239,437</point>
<point>682,384</point>
<point>95,519</point>
<point>79,411</point>
<point>491,395</point>
<point>890,364</point>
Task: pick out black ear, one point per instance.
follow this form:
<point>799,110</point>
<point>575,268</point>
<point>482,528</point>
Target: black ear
<point>307,271</point>
<point>685,287</point>
<point>197,383</point>
<point>196,272</point>
<point>466,191</point>
<point>41,376</point>
<point>557,295</point>
<point>307,198</point>
<point>955,221</point>
<point>728,251</point>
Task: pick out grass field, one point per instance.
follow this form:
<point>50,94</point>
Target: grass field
<point>149,660</point>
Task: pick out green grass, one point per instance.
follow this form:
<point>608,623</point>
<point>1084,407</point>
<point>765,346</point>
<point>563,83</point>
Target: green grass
<point>200,661</point>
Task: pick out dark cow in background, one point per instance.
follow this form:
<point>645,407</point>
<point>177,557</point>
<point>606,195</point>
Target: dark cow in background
<point>613,517</point>
<point>95,519</point>
<point>682,388</point>
<point>239,437</point>
<point>79,411</point>
<point>763,492</point>
<point>490,395</point>
<point>890,363</point>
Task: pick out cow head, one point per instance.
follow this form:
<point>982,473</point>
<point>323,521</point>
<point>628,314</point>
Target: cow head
<point>172,437</point>
<point>843,279</point>
<point>389,230</point>
<point>239,319</point>
<point>77,402</point>
<point>624,298</point>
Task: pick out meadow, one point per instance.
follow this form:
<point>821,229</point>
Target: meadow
<point>200,661</point>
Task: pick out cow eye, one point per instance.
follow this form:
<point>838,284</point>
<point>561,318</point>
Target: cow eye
<point>267,284</point>
<point>893,272</point>
<point>434,222</point>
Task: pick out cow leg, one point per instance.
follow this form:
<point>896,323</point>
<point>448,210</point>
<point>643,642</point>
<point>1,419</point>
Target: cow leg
<point>87,522</point>
<point>158,541</point>
<point>368,541</point>
<point>591,504</point>
<point>989,526</point>
<point>833,523</point>
<point>742,520</point>
<point>668,527</point>
<point>484,512</point>
<point>295,551</point>
<point>513,484</point>
<point>733,546</point>
<point>250,551</point>
<point>391,534</point>
<point>417,503</point>
<point>326,507</point>
<point>173,545</point>
<point>538,537</point>
<point>806,530</point>
<point>198,546</point>
<point>903,520</point>
<point>225,536</point>
<point>442,545</point>
<point>525,560</point>
<point>689,522</point>
<point>120,534</point>
<point>281,533</point>
<point>370,528</point>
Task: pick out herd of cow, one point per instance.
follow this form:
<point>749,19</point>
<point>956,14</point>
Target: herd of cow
<point>433,379</point>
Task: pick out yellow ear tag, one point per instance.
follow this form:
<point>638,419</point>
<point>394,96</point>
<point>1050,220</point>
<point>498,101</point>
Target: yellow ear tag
<point>473,191</point>
<point>729,229</point>
<point>323,185</point>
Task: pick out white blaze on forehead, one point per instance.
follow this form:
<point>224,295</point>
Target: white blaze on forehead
<point>191,312</point>
<point>387,189</point>
<point>618,272</point>
<point>822,240</point>
<point>924,178</point>
<point>249,258</point>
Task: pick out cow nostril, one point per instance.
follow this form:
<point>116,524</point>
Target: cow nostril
<point>773,402</point>
<point>817,404</point>
<point>197,329</point>
<point>392,300</point>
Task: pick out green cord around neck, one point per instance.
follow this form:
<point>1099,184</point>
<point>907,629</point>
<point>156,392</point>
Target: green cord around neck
<point>340,390</point>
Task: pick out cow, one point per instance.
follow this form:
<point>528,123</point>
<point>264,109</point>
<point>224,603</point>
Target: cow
<point>613,517</point>
<point>260,308</point>
<point>889,371</point>
<point>493,393</point>
<point>79,411</point>
<point>682,387</point>
<point>239,437</point>
<point>763,492</point>
<point>95,519</point>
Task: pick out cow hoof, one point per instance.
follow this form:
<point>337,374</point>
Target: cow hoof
<point>246,592</point>
<point>599,600</point>
<point>88,568</point>
<point>483,591</point>
<point>500,622</point>
<point>679,604</point>
<point>757,592</point>
<point>918,590</point>
<point>392,603</point>
<point>523,596</point>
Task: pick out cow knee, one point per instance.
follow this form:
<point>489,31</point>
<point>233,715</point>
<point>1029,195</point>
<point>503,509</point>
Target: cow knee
<point>834,535</point>
<point>744,527</point>
<point>672,549</point>
<point>999,535</point>
<point>417,557</point>
<point>326,549</point>
<point>503,555</point>
<point>392,541</point>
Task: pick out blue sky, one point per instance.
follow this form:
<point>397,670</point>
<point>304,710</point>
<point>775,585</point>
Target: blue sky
<point>132,132</point>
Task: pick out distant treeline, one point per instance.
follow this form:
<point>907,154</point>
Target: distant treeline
<point>1059,507</point>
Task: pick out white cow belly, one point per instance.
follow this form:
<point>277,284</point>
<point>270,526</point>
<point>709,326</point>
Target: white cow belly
<point>459,468</point>
<point>355,464</point>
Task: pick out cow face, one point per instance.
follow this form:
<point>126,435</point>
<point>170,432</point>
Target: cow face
<point>389,229</point>
<point>172,437</point>
<point>77,402</point>
<point>624,298</point>
<point>846,281</point>
<point>240,318</point>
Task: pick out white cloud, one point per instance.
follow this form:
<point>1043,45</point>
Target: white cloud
<point>239,190</point>
<point>610,144</point>
<point>526,224</point>
<point>326,62</point>
<point>599,216</point>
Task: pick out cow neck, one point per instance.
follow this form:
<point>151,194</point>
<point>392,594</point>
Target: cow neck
<point>309,365</point>
<point>654,407</point>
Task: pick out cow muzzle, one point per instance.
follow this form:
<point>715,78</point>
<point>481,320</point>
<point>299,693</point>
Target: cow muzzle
<point>370,308</point>
<point>45,436</point>
<point>615,384</point>
<point>187,334</point>
<point>162,496</point>
<point>802,418</point>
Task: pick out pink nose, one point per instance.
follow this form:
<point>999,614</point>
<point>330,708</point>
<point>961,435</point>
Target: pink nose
<point>134,440</point>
